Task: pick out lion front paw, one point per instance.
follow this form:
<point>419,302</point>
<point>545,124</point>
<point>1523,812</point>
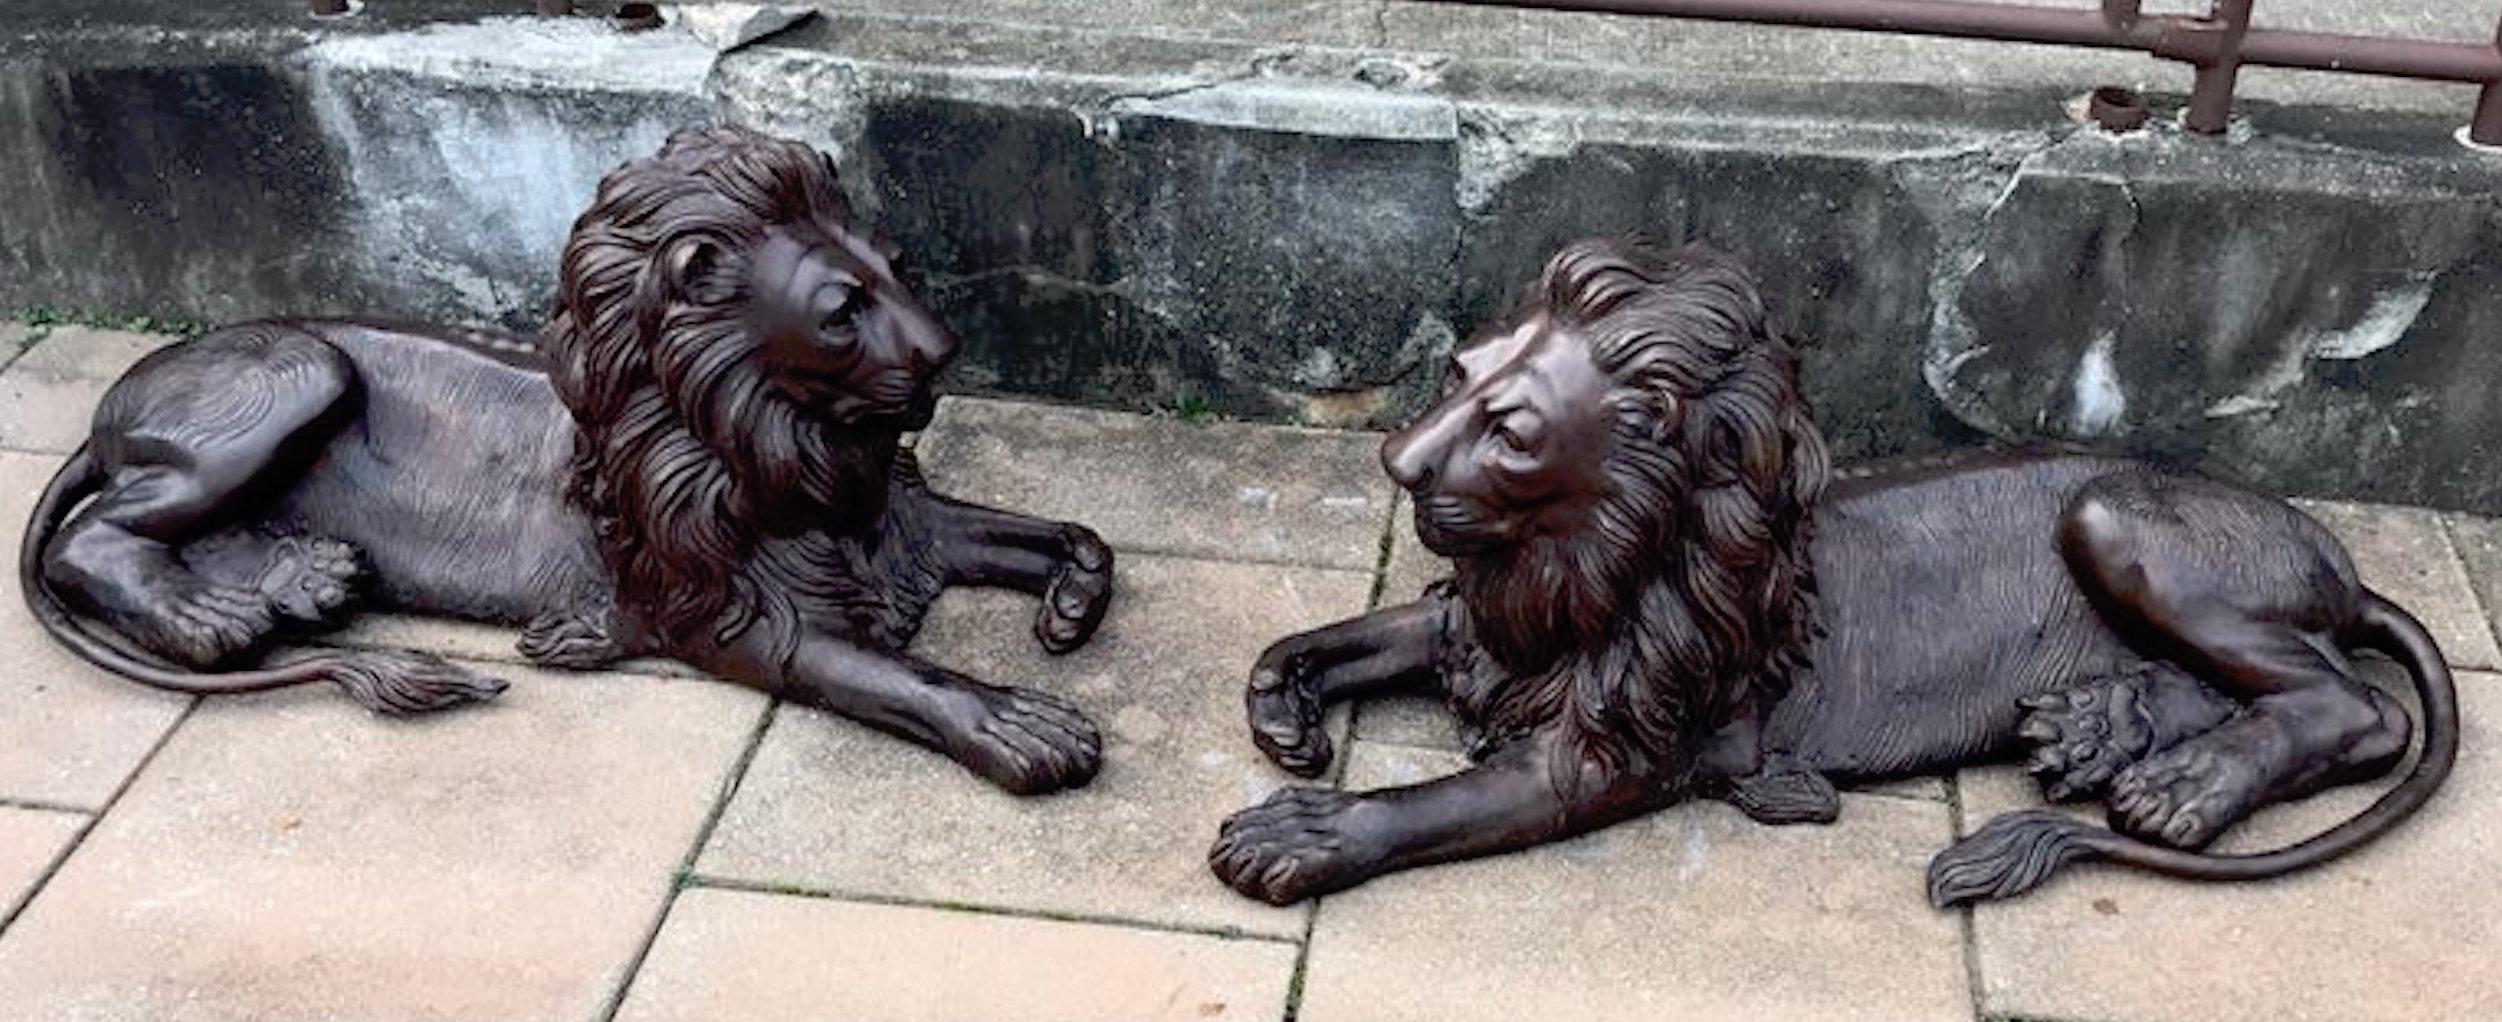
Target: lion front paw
<point>1299,844</point>
<point>1080,592</point>
<point>2186,795</point>
<point>1285,717</point>
<point>1028,742</point>
<point>308,578</point>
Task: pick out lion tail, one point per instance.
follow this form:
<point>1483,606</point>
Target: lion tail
<point>2016,852</point>
<point>385,681</point>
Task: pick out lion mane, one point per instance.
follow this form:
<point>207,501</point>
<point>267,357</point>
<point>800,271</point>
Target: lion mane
<point>1687,600</point>
<point>720,504</point>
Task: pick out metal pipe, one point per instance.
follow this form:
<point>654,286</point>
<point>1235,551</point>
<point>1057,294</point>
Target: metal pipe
<point>2211,94</point>
<point>2008,22</point>
<point>2486,127</point>
<point>2098,29</point>
<point>2120,15</point>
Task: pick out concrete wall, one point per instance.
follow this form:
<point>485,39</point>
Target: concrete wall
<point>1301,231</point>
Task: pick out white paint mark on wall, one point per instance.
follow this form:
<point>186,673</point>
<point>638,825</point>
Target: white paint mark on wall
<point>2099,403</point>
<point>2380,328</point>
<point>2382,325</point>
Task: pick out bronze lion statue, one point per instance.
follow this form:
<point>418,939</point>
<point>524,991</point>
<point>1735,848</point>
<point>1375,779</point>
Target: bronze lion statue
<point>703,462</point>
<point>1661,592</point>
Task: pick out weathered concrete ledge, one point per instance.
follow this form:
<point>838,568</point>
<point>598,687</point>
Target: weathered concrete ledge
<point>1292,216</point>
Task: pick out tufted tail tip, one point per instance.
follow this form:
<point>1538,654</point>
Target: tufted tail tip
<point>401,684</point>
<point>2010,855</point>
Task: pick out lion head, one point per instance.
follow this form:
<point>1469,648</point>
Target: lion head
<point>739,361</point>
<point>1623,471</point>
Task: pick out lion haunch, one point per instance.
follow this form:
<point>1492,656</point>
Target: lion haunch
<point>702,460</point>
<point>1660,592</point>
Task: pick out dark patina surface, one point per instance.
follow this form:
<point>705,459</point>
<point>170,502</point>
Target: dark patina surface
<point>703,462</point>
<point>1664,592</point>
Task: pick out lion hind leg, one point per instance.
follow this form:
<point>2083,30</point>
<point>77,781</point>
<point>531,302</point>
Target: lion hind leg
<point>2148,548</point>
<point>2090,731</point>
<point>192,438</point>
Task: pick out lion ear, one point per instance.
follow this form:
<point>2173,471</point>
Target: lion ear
<point>693,263</point>
<point>1667,414</point>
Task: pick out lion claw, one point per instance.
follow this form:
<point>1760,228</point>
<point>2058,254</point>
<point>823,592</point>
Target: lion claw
<point>1301,843</point>
<point>2185,796</point>
<point>1073,605</point>
<point>1029,742</point>
<point>309,578</point>
<point>202,625</point>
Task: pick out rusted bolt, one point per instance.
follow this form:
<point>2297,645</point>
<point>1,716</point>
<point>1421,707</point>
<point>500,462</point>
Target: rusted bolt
<point>329,8</point>
<point>638,17</point>
<point>555,8</point>
<point>2116,109</point>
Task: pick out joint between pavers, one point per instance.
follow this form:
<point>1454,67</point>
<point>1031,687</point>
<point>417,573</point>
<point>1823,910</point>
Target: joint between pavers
<point>96,819</point>
<point>679,880</point>
<point>2475,593</point>
<point>1966,927</point>
<point>1893,796</point>
<point>721,883</point>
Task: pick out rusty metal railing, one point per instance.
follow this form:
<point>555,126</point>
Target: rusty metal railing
<point>2218,44</point>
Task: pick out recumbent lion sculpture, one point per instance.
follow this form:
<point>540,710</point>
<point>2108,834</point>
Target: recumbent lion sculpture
<point>705,463</point>
<point>1658,596</point>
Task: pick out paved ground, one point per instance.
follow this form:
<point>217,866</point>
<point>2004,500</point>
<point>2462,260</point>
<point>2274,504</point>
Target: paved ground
<point>643,847</point>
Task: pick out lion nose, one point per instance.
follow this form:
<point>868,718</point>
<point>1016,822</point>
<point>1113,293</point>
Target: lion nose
<point>1405,460</point>
<point>928,345</point>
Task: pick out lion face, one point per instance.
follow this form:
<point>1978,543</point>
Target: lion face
<point>839,333</point>
<point>1515,449</point>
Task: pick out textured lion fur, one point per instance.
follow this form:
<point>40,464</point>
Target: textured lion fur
<point>1688,598</point>
<point>720,504</point>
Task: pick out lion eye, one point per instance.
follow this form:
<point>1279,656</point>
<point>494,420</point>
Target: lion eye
<point>1510,438</point>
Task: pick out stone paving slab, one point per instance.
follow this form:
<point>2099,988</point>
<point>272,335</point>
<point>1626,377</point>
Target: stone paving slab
<point>1230,491</point>
<point>292,857</point>
<point>2400,930</point>
<point>2406,554</point>
<point>48,395</point>
<point>1693,913</point>
<point>31,840</point>
<point>2479,544</point>
<point>14,339</point>
<point>71,733</point>
<point>829,805</point>
<point>766,958</point>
